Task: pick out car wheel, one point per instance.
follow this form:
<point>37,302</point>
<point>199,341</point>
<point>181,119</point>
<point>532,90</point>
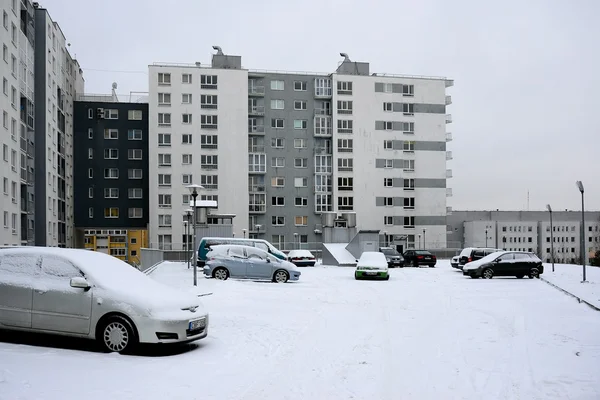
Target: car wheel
<point>534,273</point>
<point>117,334</point>
<point>487,273</point>
<point>221,274</point>
<point>520,276</point>
<point>280,276</point>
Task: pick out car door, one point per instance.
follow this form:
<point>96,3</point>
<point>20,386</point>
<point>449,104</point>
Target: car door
<point>408,257</point>
<point>56,305</point>
<point>523,263</point>
<point>236,262</point>
<point>504,265</point>
<point>18,274</point>
<point>258,264</point>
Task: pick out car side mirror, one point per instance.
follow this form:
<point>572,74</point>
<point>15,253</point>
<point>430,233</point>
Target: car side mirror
<point>80,282</point>
<point>356,260</point>
<point>268,260</point>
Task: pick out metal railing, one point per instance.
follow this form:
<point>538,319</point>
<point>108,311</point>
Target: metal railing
<point>256,90</point>
<point>256,129</point>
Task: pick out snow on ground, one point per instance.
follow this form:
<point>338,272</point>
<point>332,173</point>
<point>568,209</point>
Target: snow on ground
<point>569,277</point>
<point>428,333</point>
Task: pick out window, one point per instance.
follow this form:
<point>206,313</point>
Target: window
<point>300,162</point>
<point>300,124</point>
<point>186,118</point>
<point>165,242</point>
<point>111,134</point>
<point>387,88</point>
<point>13,65</point>
<point>164,139</point>
<point>344,107</point>
<point>186,78</point>
<point>208,121</point>
<point>164,78</point>
<point>90,173</point>
<point>408,165</point>
<point>91,212</point>
<point>408,90</point>
<point>387,106</point>
<point>134,154</point>
<point>408,108</point>
<point>409,203</point>
<point>300,182</point>
<point>186,138</point>
<point>323,87</point>
<point>277,104</point>
<point>300,86</point>
<point>164,220</point>
<point>408,146</point>
<point>13,97</point>
<point>164,180</point>
<point>345,183</point>
<point>278,162</point>
<point>111,212</point>
<point>91,193</point>
<point>344,87</point>
<point>5,20</point>
<point>409,184</point>
<point>134,134</point>
<point>299,143</point>
<point>111,154</point>
<point>277,181</point>
<point>111,193</point>
<point>408,127</point>
<point>278,143</point>
<point>277,85</point>
<point>323,125</point>
<point>388,125</point>
<point>299,105</point>
<point>301,202</point>
<point>134,174</point>
<point>5,53</point>
<point>208,81</point>
<point>257,162</point>
<point>90,133</point>
<point>323,203</point>
<point>164,201</point>
<point>344,145</point>
<point>344,125</point>
<point>277,123</point>
<point>345,203</point>
<point>208,101</point>
<point>208,141</point>
<point>278,201</point>
<point>164,99</point>
<point>185,199</point>
<point>186,159</point>
<point>134,115</point>
<point>277,221</point>
<point>164,160</point>
<point>209,182</point>
<point>164,119</point>
<point>388,182</point>
<point>301,221</point>
<point>345,164</point>
<point>111,114</point>
<point>186,98</point>
<point>5,86</point>
<point>135,193</point>
<point>388,220</point>
<point>388,144</point>
<point>409,222</point>
<point>208,162</point>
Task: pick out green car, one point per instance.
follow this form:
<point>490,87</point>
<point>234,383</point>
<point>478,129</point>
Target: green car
<point>372,265</point>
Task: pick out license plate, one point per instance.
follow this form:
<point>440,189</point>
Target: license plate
<point>371,273</point>
<point>197,324</point>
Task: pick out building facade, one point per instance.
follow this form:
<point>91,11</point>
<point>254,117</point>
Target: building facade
<point>348,141</point>
<point>58,78</point>
<point>528,231</point>
<point>111,179</point>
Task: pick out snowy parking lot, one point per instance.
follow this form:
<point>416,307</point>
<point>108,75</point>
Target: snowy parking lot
<point>427,333</point>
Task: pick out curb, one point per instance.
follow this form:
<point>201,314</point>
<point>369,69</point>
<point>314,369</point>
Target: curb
<point>571,294</point>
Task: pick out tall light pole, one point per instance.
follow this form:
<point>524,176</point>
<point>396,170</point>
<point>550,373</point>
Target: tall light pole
<point>419,241</point>
<point>551,236</point>
<point>188,214</point>
<point>384,238</point>
<point>580,187</point>
<point>424,241</point>
<point>194,192</point>
<point>244,230</point>
<point>295,239</point>
<point>486,237</point>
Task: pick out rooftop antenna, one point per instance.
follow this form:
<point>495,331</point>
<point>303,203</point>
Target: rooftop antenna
<point>345,55</point>
<point>218,49</point>
<point>114,92</point>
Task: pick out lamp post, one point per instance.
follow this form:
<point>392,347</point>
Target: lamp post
<point>244,230</point>
<point>188,214</point>
<point>419,241</point>
<point>385,238</point>
<point>194,192</point>
<point>295,239</point>
<point>551,236</point>
<point>580,187</point>
<point>424,241</point>
<point>486,237</point>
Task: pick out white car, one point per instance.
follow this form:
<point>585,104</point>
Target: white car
<point>372,265</point>
<point>93,295</point>
<point>455,261</point>
<point>301,258</point>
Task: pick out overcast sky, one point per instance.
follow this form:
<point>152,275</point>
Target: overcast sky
<point>526,99</point>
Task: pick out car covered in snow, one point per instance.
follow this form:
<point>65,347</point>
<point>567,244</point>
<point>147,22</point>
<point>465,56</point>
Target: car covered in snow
<point>454,261</point>
<point>247,262</point>
<point>89,294</point>
<point>393,257</point>
<point>471,254</point>
<point>372,265</point>
<point>301,258</point>
<point>505,263</point>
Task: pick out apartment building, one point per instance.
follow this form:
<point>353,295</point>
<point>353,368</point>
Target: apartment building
<point>348,141</point>
<point>111,178</point>
<point>528,231</point>
<point>58,77</point>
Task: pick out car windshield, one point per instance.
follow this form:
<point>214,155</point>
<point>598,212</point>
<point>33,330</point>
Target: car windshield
<point>422,253</point>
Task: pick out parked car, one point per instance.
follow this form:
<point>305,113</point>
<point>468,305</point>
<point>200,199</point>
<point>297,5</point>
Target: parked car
<point>207,242</point>
<point>394,259</point>
<point>474,253</point>
<point>416,258</point>
<point>301,258</point>
<point>247,262</point>
<point>454,261</point>
<point>371,265</point>
<point>505,263</point>
<point>93,295</point>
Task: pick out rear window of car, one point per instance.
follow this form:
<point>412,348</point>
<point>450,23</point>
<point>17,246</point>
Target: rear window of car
<point>423,253</point>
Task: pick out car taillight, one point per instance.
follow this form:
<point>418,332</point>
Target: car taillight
<point>419,257</point>
<point>470,259</point>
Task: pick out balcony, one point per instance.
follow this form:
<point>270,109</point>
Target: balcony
<point>448,100</point>
<point>257,208</point>
<point>256,111</point>
<point>256,188</point>
<point>24,175</point>
<point>448,192</point>
<point>448,136</point>
<point>322,111</point>
<point>256,129</point>
<point>256,148</point>
<point>256,91</point>
<point>448,173</point>
<point>323,131</point>
<point>448,155</point>
<point>322,149</point>
<point>448,118</point>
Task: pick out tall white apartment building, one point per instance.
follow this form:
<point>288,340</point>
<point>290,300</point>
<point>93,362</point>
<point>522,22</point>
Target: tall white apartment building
<point>198,134</point>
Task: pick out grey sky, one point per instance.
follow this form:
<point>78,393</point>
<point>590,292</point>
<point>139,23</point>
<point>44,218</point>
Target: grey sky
<point>527,73</point>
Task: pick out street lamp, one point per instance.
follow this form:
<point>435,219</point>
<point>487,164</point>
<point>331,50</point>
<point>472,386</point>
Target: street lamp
<point>424,241</point>
<point>194,192</point>
<point>419,241</point>
<point>580,187</point>
<point>551,235</point>
<point>188,214</point>
<point>296,239</point>
<point>486,237</point>
<point>385,238</point>
<point>244,230</point>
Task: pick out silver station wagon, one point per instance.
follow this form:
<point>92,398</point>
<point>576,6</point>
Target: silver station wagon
<point>93,295</point>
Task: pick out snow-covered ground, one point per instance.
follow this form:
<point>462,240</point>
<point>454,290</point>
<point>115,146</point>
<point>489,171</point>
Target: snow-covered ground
<point>569,277</point>
<point>424,334</point>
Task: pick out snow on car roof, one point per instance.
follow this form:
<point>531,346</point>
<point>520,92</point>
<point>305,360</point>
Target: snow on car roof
<point>372,259</point>
<point>300,253</point>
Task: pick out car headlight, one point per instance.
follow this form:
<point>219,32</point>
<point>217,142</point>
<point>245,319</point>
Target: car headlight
<point>388,260</point>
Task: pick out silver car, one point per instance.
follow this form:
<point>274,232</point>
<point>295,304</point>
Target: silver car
<point>93,295</point>
<point>236,261</point>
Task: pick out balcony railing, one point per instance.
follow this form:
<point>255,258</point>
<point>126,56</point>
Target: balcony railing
<point>323,131</point>
<point>256,129</point>
<point>257,208</point>
<point>322,150</point>
<point>323,111</point>
<point>448,136</point>
<point>256,188</point>
<point>256,110</point>
<point>448,100</point>
<point>256,148</point>
<point>257,168</point>
<point>256,91</point>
